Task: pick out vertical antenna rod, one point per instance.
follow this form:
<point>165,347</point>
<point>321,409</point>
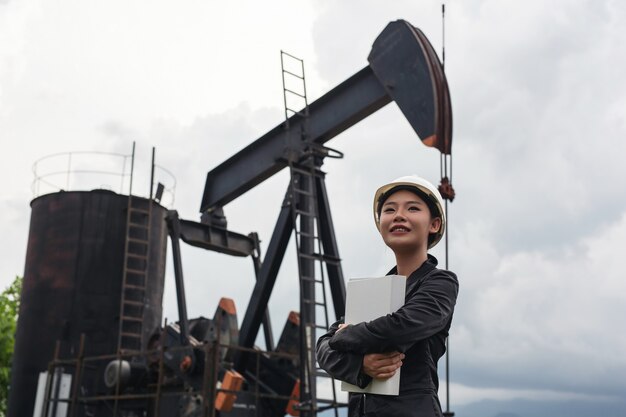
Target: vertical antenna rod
<point>447,413</point>
<point>443,35</point>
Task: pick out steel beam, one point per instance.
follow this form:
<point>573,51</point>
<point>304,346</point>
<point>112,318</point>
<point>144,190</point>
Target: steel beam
<point>331,250</point>
<point>267,324</point>
<point>173,228</point>
<point>215,238</point>
<point>264,285</point>
<point>345,105</point>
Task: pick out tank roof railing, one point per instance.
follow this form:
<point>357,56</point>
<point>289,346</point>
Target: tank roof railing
<point>88,170</point>
<point>169,192</point>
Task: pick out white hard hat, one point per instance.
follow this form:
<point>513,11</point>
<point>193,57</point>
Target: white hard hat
<point>422,188</point>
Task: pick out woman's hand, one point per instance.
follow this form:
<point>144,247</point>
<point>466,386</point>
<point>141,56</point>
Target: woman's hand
<point>382,365</point>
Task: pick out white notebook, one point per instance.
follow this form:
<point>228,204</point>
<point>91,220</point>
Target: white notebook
<point>366,300</point>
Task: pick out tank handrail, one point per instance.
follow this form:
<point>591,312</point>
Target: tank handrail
<point>81,171</point>
<point>81,152</point>
<point>66,158</point>
<point>172,189</point>
<point>52,185</point>
<point>60,174</point>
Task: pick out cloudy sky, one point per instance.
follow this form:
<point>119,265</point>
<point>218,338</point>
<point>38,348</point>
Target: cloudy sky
<point>538,229</point>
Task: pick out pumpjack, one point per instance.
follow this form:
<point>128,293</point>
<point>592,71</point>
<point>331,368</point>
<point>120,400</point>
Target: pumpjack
<point>216,363</point>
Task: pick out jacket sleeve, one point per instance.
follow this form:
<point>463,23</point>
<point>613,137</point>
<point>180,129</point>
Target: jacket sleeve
<point>426,312</point>
<point>344,366</point>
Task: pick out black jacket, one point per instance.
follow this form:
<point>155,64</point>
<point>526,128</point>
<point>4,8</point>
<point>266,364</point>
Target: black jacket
<point>418,329</point>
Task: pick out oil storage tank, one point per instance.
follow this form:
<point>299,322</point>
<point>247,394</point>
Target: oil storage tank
<point>81,246</point>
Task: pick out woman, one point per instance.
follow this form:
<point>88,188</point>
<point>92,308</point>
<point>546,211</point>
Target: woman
<point>410,218</point>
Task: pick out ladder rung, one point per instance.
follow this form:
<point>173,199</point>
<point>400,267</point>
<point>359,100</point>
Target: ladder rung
<point>304,171</point>
<point>136,256</point>
<point>135,319</point>
<point>135,271</point>
<point>287,54</point>
<point>295,75</point>
<point>305,234</point>
<point>317,303</point>
<point>133,303</point>
<point>134,335</point>
<point>309,279</point>
<point>141,241</point>
<point>293,92</point>
<point>302,192</point>
<point>323,258</point>
<point>138,210</point>
<point>305,213</point>
<point>135,287</point>
<point>315,256</point>
<point>139,225</point>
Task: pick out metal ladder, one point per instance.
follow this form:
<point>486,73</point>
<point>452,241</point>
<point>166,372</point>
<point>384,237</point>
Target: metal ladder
<point>313,299</point>
<point>135,273</point>
<point>291,81</point>
<point>311,259</point>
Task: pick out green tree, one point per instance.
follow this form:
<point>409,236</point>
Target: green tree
<point>9,308</point>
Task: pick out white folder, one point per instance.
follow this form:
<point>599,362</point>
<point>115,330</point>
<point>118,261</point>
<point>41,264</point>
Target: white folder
<point>366,300</point>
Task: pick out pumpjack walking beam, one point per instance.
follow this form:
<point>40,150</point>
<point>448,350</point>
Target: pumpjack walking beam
<point>403,67</point>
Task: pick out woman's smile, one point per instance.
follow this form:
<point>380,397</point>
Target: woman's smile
<point>399,229</point>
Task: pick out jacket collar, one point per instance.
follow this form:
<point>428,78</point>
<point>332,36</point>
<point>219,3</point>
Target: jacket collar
<point>429,264</point>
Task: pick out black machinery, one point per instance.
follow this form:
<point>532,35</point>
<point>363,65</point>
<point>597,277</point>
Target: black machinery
<point>206,366</point>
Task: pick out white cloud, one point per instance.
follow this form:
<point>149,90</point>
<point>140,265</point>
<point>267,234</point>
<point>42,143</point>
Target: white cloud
<point>462,395</point>
<point>551,318</point>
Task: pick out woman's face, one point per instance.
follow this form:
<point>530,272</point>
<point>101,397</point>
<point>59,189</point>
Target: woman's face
<point>405,222</point>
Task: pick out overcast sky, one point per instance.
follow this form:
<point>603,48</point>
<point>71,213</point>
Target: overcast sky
<point>538,229</point>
